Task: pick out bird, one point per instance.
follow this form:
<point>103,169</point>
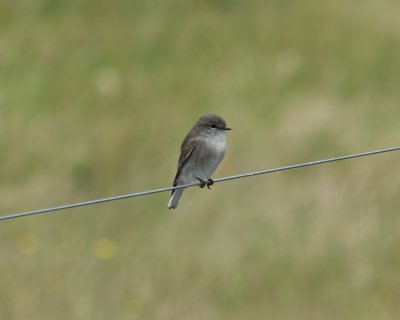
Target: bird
<point>202,151</point>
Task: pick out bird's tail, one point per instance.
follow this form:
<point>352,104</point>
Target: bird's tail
<point>174,200</point>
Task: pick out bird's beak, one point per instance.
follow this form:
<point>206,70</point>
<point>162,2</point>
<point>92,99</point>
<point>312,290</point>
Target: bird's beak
<point>227,129</point>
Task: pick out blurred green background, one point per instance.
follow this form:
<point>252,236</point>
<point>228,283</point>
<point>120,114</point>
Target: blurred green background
<point>95,99</point>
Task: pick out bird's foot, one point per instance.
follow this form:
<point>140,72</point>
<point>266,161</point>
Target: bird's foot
<point>202,182</point>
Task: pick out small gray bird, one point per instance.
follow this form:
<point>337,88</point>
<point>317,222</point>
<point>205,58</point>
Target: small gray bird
<point>201,152</point>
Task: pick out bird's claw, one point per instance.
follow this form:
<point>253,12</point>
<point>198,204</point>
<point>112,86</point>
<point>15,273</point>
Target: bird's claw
<point>202,182</point>
<point>207,183</point>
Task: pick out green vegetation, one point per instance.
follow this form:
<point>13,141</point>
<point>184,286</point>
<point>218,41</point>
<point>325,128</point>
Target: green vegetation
<point>95,98</point>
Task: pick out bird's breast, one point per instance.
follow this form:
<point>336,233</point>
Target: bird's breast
<point>217,145</point>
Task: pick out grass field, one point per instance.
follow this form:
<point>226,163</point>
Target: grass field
<point>95,98</point>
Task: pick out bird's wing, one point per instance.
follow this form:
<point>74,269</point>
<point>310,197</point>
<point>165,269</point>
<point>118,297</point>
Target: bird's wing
<point>186,152</point>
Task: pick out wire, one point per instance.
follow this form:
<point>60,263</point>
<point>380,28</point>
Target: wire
<point>239,176</point>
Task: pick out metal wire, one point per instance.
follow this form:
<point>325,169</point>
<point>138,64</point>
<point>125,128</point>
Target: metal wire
<point>239,176</point>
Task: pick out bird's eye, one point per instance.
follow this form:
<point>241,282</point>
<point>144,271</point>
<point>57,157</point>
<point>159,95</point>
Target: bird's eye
<point>213,126</point>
